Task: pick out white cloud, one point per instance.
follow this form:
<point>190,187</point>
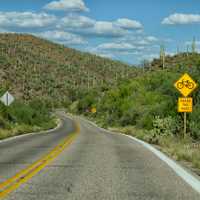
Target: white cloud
<point>170,53</point>
<point>190,43</point>
<point>128,23</point>
<point>116,47</point>
<point>104,28</point>
<point>87,26</point>
<point>75,21</point>
<point>105,55</point>
<point>179,18</point>
<point>67,5</point>
<point>129,45</point>
<point>4,31</point>
<point>62,37</point>
<point>151,39</point>
<point>118,28</point>
<point>26,19</point>
<point>140,40</point>
<point>149,57</point>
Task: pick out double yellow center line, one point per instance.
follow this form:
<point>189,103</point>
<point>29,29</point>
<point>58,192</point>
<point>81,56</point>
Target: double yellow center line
<point>24,175</point>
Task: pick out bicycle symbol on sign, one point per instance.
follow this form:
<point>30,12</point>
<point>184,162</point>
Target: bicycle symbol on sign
<point>185,83</point>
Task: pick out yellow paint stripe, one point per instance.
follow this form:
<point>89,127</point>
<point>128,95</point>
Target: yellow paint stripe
<point>23,172</point>
<point>23,176</point>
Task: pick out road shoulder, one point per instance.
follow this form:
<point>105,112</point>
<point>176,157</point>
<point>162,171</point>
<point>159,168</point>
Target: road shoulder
<point>186,174</point>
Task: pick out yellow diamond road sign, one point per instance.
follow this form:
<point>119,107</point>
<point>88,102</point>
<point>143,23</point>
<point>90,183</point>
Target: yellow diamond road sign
<point>185,85</point>
<point>93,110</point>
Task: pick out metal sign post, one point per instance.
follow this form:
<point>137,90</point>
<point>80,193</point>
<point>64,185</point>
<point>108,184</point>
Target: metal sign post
<point>185,125</point>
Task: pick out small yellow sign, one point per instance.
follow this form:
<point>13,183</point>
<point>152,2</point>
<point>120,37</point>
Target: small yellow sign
<point>93,110</point>
<point>185,85</point>
<point>185,105</point>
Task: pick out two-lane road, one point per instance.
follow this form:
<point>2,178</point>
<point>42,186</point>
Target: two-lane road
<point>96,166</point>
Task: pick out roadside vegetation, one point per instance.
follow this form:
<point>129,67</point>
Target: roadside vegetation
<point>146,107</point>
<point>22,118</point>
<point>185,150</point>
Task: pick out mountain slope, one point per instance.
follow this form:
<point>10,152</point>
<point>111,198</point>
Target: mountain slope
<point>181,60</point>
<point>32,67</point>
<point>149,96</point>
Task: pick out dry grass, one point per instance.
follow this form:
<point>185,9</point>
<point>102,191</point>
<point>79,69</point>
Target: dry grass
<point>24,129</point>
<point>178,148</point>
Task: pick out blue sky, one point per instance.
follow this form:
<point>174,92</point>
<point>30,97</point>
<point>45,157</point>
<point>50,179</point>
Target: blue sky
<point>126,30</point>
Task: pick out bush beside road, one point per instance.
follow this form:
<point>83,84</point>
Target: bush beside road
<point>21,118</point>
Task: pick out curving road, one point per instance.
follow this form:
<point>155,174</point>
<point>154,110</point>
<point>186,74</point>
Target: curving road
<point>96,166</point>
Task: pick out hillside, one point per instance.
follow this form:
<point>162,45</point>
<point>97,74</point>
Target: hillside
<point>41,74</point>
<point>146,107</point>
<point>139,101</point>
<point>181,60</point>
<point>31,67</point>
<point>151,94</point>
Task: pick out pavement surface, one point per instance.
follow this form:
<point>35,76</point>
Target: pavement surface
<point>96,166</point>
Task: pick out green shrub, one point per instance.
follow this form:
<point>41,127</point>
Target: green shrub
<point>129,118</point>
<point>87,102</point>
<point>193,122</point>
<point>21,113</point>
<point>33,113</point>
<point>145,121</point>
<point>4,124</point>
<point>194,130</point>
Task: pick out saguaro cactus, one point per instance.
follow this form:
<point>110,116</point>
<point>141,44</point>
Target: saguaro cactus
<point>162,55</point>
<point>194,45</point>
<point>187,49</point>
<point>178,49</point>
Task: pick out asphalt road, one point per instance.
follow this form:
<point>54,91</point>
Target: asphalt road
<point>96,166</point>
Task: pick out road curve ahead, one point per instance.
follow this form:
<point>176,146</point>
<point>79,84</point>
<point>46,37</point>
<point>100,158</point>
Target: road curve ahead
<point>95,166</point>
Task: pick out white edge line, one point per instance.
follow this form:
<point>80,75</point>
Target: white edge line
<point>34,133</point>
<point>179,170</point>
